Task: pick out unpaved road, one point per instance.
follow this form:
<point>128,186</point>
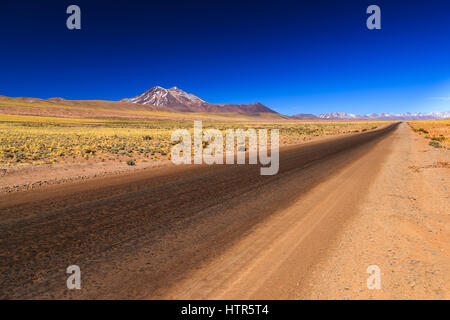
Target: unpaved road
<point>191,232</point>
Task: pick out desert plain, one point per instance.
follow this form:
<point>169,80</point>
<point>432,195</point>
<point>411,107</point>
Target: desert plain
<point>92,184</point>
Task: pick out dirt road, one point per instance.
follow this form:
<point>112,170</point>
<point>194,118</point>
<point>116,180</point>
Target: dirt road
<point>192,232</point>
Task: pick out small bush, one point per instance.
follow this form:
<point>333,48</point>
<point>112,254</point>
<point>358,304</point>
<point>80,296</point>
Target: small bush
<point>440,138</point>
<point>435,144</point>
<point>422,130</point>
<point>131,162</point>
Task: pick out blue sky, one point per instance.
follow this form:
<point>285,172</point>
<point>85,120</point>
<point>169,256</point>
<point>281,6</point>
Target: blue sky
<point>294,56</point>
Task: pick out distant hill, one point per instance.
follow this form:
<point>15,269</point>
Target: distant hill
<point>178,100</point>
<point>158,102</point>
<point>60,107</point>
<point>305,116</point>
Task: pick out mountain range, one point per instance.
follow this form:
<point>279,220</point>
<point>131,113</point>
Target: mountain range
<point>304,116</point>
<point>384,116</point>
<point>178,100</point>
<point>159,99</point>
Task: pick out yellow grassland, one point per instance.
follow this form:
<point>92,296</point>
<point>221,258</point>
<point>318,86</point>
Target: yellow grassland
<point>438,131</point>
<point>26,140</point>
<point>115,109</point>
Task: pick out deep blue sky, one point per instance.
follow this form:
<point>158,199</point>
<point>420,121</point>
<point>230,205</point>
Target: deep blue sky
<point>305,56</point>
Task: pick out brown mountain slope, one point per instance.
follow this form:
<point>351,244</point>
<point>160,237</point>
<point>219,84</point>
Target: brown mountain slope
<point>59,107</point>
<point>304,116</point>
<point>178,100</point>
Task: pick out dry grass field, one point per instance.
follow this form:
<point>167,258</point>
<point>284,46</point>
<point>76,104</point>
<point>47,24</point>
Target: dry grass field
<point>438,131</point>
<point>34,140</point>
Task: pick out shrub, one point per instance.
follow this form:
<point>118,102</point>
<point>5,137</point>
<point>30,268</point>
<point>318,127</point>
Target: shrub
<point>435,144</point>
<point>131,162</point>
<point>422,130</point>
<point>440,138</point>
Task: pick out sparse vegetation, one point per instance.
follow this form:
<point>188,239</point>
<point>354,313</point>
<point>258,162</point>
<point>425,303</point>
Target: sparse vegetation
<point>47,140</point>
<point>422,130</point>
<point>441,138</point>
<point>435,144</point>
<point>438,131</point>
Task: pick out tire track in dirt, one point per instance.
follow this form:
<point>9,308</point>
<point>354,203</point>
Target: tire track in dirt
<point>138,235</point>
<point>276,258</point>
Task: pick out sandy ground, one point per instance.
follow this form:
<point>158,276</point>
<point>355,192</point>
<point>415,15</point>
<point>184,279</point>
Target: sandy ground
<point>23,178</point>
<point>320,247</point>
<point>336,207</point>
<point>402,227</point>
<point>136,235</point>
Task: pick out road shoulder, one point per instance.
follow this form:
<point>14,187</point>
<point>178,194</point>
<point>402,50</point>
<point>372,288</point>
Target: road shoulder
<point>402,228</point>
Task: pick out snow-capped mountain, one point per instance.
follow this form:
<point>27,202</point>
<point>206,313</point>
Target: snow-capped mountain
<point>338,116</point>
<point>176,99</point>
<point>385,116</point>
<point>173,97</point>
